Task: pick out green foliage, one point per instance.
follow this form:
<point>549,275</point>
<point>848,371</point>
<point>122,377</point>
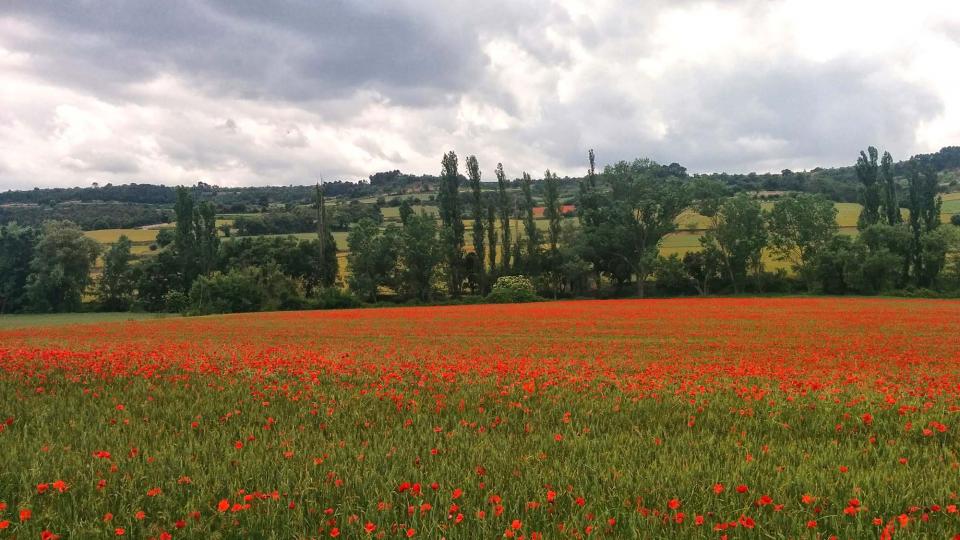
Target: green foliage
<point>373,258</point>
<point>867,173</point>
<point>478,268</point>
<point>529,226</point>
<point>512,289</point>
<point>955,220</point>
<point>244,289</point>
<point>117,283</point>
<point>419,254</point>
<point>631,220</point>
<point>671,277</point>
<point>504,209</point>
<point>738,235</point>
<point>451,215</point>
<point>799,227</point>
<point>60,268</point>
<point>17,246</point>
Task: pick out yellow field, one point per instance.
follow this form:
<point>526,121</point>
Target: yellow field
<point>110,236</point>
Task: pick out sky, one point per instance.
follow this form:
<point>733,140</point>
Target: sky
<point>246,92</point>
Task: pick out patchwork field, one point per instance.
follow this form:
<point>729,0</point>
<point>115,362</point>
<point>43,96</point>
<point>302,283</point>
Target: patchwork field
<point>753,418</point>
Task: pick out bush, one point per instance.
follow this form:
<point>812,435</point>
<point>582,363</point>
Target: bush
<point>511,290</point>
<point>955,219</point>
<point>245,289</point>
<point>333,298</point>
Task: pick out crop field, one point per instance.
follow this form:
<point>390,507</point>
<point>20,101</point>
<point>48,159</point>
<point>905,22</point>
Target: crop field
<point>111,236</point>
<point>699,418</point>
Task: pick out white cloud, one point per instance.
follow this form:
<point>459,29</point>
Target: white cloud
<point>258,98</point>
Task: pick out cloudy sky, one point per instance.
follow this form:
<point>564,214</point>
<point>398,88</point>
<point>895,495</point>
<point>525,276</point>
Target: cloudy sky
<point>245,92</point>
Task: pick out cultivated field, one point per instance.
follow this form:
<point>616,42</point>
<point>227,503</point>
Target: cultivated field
<point>754,418</point>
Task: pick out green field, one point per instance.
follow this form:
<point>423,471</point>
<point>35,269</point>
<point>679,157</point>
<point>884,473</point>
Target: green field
<point>8,322</point>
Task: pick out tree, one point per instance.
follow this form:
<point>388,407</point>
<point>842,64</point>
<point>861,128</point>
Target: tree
<point>244,289</point>
<point>473,173</point>
<point>551,208</point>
<point>117,283</point>
<point>159,276</point>
<point>645,199</point>
<point>327,267</point>
<point>703,267</point>
<point>406,210</point>
<point>451,215</point>
<point>739,235</point>
<point>16,251</point>
<point>206,239</point>
<point>883,259</point>
<point>867,172</point>
<point>529,225</point>
<point>925,206</point>
<point>800,226</point>
<point>373,258</point>
<point>60,268</point>
<point>185,239</point>
<point>492,233</point>
<point>505,207</point>
<point>890,204</point>
<point>834,265</point>
<point>419,256</point>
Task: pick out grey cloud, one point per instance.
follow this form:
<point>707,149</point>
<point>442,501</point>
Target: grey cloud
<point>103,162</point>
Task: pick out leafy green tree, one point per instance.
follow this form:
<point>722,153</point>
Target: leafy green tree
<point>60,268</point>
<point>159,275</point>
<point>800,226</point>
<point>836,265</point>
<point>671,277</point>
<point>373,258</point>
<point>645,199</point>
<point>406,210</point>
<point>419,256</point>
<point>185,238</point>
<point>890,206</point>
<point>703,267</point>
<point>530,226</point>
<point>117,283</point>
<point>867,172</point>
<point>552,209</point>
<point>206,241</point>
<point>925,204</point>
<point>492,234</point>
<point>451,215</point>
<point>739,235</point>
<point>883,261</point>
<point>16,251</point>
<point>244,289</point>
<point>473,173</point>
<point>504,207</point>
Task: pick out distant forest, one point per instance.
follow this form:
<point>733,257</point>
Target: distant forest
<point>457,238</point>
<point>149,203</point>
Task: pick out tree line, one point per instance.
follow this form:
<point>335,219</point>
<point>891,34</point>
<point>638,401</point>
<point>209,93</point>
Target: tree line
<point>487,231</point>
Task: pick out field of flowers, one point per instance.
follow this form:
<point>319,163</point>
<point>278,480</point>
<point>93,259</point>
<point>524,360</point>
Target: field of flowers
<point>739,418</point>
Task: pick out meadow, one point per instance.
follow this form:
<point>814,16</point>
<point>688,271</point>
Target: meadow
<point>696,418</point>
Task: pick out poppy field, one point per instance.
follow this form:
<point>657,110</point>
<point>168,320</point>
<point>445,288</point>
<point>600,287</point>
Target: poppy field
<point>690,418</point>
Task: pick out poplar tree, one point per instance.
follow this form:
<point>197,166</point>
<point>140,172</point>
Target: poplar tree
<point>451,215</point>
<point>505,206</point>
<point>473,173</point>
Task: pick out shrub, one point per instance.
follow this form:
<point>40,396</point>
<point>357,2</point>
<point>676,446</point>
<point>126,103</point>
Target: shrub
<point>245,289</point>
<point>512,289</point>
<point>955,219</point>
<point>333,298</point>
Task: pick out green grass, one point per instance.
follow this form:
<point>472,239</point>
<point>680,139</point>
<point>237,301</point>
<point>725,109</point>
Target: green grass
<point>8,322</point>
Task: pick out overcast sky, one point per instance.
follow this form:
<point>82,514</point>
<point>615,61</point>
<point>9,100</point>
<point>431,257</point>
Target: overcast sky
<point>246,92</point>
